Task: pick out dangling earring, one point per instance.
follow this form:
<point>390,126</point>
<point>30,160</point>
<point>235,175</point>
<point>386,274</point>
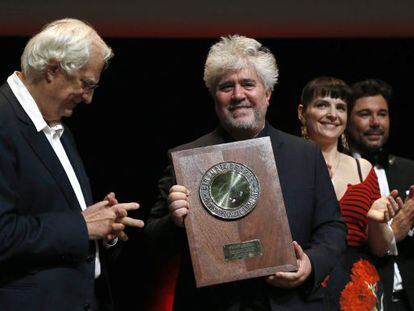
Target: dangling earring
<point>303,128</point>
<point>344,142</point>
<point>304,132</point>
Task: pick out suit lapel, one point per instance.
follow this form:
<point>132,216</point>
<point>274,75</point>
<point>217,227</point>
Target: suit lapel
<point>42,148</point>
<point>275,137</point>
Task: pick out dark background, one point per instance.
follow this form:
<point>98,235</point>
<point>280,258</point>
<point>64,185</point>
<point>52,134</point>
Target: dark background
<point>153,98</point>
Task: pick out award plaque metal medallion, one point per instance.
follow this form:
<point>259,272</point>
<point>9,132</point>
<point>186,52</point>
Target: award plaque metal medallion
<point>237,226</point>
<point>229,190</point>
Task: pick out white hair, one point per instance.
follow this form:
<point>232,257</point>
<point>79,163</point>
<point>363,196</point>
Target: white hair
<point>235,53</point>
<point>66,42</point>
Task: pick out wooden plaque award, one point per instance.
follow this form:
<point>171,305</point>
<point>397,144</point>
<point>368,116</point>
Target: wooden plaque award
<point>237,226</point>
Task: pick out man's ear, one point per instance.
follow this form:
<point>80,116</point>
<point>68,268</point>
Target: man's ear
<point>301,116</point>
<point>268,95</point>
<point>51,72</point>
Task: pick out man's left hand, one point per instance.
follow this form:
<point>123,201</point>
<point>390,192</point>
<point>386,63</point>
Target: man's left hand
<point>293,279</point>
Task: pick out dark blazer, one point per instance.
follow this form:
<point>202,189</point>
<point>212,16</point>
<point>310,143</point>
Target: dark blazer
<point>314,219</point>
<point>46,258</point>
<point>400,176</point>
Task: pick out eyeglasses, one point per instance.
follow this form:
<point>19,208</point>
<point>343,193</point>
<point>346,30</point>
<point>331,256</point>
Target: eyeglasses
<point>88,85</point>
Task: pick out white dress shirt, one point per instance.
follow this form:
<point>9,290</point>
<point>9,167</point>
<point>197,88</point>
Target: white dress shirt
<point>53,133</point>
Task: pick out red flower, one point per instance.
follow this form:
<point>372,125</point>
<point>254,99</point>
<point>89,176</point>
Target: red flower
<point>357,296</point>
<point>360,293</point>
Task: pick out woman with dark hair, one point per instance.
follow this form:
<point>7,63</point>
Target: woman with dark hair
<point>354,283</point>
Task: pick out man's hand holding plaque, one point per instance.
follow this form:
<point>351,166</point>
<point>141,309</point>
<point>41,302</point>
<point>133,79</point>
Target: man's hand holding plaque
<point>296,278</point>
<point>178,204</point>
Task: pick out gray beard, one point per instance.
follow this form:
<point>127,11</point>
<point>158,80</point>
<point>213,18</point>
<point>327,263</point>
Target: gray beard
<point>244,129</point>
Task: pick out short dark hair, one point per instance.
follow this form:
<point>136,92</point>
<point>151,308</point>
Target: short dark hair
<point>371,87</point>
<point>326,86</point>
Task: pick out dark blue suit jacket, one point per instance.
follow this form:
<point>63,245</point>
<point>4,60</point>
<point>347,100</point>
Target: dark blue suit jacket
<point>314,219</point>
<point>46,258</point>
<point>400,176</point>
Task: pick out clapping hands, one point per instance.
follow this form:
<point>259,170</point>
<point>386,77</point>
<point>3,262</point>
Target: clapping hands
<point>403,222</point>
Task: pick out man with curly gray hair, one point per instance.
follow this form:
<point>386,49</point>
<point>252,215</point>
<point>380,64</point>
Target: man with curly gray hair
<point>53,239</point>
<point>240,74</point>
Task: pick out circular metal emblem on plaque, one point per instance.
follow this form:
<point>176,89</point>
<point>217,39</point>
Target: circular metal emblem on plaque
<point>229,190</point>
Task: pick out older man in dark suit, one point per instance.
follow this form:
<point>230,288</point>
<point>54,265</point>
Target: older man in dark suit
<point>367,132</point>
<point>240,74</point>
<point>51,251</point>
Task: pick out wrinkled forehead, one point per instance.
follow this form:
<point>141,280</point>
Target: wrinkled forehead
<point>92,70</point>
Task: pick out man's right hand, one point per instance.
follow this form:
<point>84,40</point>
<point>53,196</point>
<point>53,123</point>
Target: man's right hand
<point>403,222</point>
<point>101,218</point>
<point>178,204</point>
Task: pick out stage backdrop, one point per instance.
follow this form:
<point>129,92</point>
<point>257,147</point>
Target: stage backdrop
<point>212,18</point>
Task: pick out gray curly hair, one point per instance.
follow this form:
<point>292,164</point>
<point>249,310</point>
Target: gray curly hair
<point>235,53</point>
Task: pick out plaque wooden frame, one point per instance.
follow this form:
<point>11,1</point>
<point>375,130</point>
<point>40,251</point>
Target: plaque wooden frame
<point>267,222</point>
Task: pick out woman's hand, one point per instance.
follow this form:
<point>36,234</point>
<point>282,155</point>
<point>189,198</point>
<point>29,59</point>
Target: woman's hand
<point>385,208</point>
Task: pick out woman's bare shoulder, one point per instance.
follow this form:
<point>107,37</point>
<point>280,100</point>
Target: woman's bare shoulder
<point>351,162</point>
<point>365,167</point>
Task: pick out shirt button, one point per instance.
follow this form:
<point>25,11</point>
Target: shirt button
<point>90,259</point>
<point>86,306</point>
